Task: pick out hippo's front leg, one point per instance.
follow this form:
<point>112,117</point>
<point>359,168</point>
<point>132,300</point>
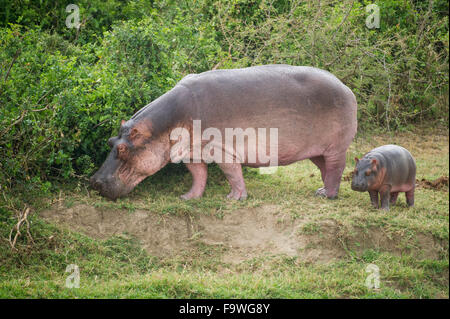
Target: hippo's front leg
<point>199,173</point>
<point>385,196</point>
<point>233,173</point>
<point>374,198</point>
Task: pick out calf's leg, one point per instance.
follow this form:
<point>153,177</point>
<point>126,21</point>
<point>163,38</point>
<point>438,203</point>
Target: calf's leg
<point>410,198</point>
<point>393,199</point>
<point>385,195</point>
<point>374,198</point>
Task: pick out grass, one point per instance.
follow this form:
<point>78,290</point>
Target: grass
<point>119,268</point>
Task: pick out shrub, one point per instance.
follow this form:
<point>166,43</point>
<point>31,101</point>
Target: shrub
<point>61,102</point>
<point>399,73</point>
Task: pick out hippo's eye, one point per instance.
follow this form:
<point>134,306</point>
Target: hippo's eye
<point>368,172</point>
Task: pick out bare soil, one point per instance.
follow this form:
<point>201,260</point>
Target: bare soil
<point>241,234</point>
<point>440,183</point>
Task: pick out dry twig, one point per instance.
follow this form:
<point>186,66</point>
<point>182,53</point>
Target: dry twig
<point>22,218</point>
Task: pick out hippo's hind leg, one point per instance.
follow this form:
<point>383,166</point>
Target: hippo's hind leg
<point>320,163</point>
<point>334,167</point>
<point>233,173</point>
<point>199,173</point>
<point>393,199</point>
<point>410,197</point>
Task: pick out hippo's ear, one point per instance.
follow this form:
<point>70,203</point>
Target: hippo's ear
<point>356,160</point>
<point>134,133</point>
<point>139,134</point>
<point>122,122</point>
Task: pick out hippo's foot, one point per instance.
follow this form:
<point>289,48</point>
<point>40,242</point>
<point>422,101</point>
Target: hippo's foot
<point>237,194</point>
<point>233,173</point>
<point>199,173</point>
<point>190,195</point>
<point>331,168</point>
<point>322,192</point>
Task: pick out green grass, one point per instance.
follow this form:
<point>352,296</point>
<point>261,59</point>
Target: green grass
<point>119,268</point>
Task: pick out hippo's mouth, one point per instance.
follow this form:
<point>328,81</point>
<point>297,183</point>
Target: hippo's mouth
<point>111,189</point>
<point>114,188</point>
<point>359,188</point>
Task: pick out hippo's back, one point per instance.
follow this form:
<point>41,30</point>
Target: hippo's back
<point>269,87</point>
<point>392,151</point>
<point>310,107</point>
<point>400,164</point>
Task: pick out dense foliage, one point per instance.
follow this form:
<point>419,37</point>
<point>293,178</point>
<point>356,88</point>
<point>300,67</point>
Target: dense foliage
<point>63,91</point>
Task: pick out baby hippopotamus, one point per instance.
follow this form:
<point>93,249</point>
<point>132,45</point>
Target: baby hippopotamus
<point>387,170</point>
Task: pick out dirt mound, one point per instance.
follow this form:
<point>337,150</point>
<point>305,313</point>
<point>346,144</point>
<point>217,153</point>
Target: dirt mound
<point>160,235</point>
<point>440,183</point>
<point>241,235</point>
<point>264,231</point>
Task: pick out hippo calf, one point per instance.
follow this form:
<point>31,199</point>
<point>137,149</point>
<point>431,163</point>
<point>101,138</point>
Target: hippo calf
<point>311,114</point>
<point>386,170</point>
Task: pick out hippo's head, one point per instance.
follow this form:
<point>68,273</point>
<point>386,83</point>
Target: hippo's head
<point>135,154</point>
<point>365,174</point>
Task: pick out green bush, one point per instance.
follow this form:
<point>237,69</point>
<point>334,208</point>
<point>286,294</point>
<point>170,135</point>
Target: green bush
<point>61,102</point>
<point>399,72</point>
<point>96,16</point>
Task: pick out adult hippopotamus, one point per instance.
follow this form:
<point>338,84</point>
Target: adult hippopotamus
<point>386,170</point>
<point>291,112</point>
